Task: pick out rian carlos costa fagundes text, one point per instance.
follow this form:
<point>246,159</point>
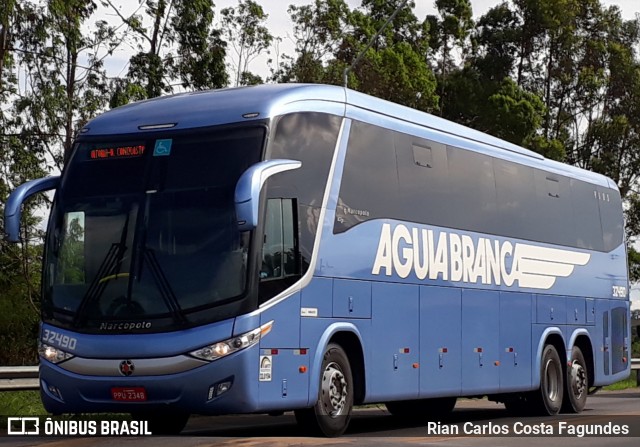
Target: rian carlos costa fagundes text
<point>561,428</point>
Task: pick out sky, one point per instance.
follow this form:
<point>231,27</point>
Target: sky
<point>279,24</point>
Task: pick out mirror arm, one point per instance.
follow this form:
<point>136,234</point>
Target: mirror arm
<point>12,210</point>
<point>250,184</point>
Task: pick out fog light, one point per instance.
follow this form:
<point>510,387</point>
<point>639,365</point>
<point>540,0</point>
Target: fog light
<point>52,390</point>
<point>219,388</point>
<point>223,387</point>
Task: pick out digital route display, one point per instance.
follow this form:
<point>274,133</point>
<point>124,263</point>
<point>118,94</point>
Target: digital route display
<point>111,152</point>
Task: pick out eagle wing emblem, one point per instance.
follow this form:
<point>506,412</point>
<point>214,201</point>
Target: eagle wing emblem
<point>539,267</point>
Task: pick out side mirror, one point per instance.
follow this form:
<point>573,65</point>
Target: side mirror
<point>247,196</point>
<point>12,210</point>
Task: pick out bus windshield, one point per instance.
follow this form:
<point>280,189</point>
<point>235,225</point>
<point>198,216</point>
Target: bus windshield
<point>144,232</point>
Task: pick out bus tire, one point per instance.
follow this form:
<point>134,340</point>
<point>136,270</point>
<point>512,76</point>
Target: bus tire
<point>331,413</point>
<point>421,410</point>
<point>576,387</point>
<point>547,400</point>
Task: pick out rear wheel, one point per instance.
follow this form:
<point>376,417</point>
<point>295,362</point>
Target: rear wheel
<point>547,400</point>
<point>331,414</point>
<point>577,383</point>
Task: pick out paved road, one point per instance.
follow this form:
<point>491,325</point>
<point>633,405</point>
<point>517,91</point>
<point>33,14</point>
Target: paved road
<point>375,427</point>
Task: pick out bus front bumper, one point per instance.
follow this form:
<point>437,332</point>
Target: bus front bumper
<point>226,385</point>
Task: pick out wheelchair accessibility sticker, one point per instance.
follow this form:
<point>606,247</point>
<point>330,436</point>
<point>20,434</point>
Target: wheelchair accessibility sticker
<point>162,148</point>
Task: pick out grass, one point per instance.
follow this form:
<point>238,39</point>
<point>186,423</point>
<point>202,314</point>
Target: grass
<point>623,384</point>
<point>21,403</point>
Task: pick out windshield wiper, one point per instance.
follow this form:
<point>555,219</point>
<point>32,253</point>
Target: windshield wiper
<point>109,266</point>
<point>98,284</point>
<point>164,286</point>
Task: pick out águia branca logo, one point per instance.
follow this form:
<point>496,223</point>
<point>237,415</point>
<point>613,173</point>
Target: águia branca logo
<point>426,253</point>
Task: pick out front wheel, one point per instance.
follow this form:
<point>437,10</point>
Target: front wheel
<point>331,414</point>
<point>577,383</point>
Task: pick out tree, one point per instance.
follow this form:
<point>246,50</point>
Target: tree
<point>247,34</point>
<point>65,81</point>
<point>201,50</point>
<point>179,44</point>
<point>330,37</point>
<point>318,32</point>
<point>451,29</point>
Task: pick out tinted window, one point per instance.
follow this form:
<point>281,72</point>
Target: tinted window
<point>91,175</point>
<point>143,234</point>
<point>610,206</point>
<point>310,138</point>
<point>515,192</point>
<point>279,268</point>
<point>369,188</point>
<point>424,187</point>
<point>586,216</point>
<point>427,182</point>
<point>472,191</point>
<point>553,198</point>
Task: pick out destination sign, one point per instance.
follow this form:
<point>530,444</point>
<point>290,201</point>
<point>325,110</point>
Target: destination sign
<point>111,152</point>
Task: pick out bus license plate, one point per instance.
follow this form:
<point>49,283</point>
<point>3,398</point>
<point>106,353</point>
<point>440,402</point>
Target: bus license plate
<point>134,394</point>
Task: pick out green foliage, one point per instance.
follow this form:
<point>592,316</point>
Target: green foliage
<point>66,84</point>
<point>552,149</point>
<point>622,385</point>
<point>19,303</point>
<point>330,37</point>
<point>181,44</point>
<point>23,403</point>
<point>246,31</point>
<point>201,49</point>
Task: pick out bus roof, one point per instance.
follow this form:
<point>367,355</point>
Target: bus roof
<point>232,105</point>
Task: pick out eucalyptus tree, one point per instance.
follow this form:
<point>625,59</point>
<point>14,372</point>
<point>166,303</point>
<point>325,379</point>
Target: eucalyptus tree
<point>329,37</point>
<point>448,30</point>
<point>176,43</point>
<point>62,74</point>
<point>318,32</point>
<point>246,33</point>
<point>394,67</point>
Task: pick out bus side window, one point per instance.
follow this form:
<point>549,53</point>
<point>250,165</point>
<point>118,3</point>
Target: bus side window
<point>280,251</point>
<point>279,259</point>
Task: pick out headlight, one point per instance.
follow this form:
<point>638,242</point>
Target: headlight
<point>226,347</point>
<point>54,355</point>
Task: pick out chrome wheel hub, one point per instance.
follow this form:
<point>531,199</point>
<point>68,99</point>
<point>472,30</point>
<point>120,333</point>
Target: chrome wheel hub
<point>578,379</point>
<point>334,390</point>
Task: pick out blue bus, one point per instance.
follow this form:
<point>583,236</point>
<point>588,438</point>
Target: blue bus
<point>311,248</point>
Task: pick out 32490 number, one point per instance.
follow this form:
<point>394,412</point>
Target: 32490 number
<point>59,340</point>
